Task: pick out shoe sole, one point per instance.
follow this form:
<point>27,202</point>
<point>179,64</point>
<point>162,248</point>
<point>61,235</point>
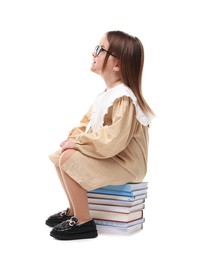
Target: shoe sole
<point>91,234</point>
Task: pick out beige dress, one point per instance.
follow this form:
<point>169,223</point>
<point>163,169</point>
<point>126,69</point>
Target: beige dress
<point>114,154</point>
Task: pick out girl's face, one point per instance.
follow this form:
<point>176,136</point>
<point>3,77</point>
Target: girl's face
<point>99,56</point>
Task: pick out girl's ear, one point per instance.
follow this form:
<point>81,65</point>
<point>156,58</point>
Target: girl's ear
<point>116,68</point>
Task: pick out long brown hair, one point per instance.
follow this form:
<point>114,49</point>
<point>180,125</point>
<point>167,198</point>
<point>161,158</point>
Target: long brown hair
<point>130,51</point>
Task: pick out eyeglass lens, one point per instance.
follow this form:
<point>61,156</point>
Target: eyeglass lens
<point>98,49</point>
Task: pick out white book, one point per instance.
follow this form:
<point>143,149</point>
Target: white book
<point>116,216</point>
<point>116,208</point>
<point>116,202</point>
<point>119,223</point>
<point>116,197</point>
<point>119,230</point>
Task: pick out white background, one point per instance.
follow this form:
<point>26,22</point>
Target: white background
<point>46,87</point>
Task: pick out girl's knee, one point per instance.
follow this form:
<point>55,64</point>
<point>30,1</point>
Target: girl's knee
<point>65,156</point>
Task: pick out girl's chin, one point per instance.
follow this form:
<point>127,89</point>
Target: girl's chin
<point>93,69</point>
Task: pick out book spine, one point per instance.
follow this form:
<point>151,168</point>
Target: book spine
<point>124,217</point>
<point>126,187</point>
<point>116,192</point>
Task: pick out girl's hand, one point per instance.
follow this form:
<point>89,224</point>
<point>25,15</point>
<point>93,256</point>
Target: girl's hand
<point>68,144</point>
<point>62,144</point>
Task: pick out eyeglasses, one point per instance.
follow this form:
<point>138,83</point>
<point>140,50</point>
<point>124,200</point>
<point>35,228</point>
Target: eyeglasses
<point>99,48</point>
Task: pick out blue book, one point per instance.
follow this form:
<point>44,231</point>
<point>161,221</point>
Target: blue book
<point>119,192</point>
<point>127,187</point>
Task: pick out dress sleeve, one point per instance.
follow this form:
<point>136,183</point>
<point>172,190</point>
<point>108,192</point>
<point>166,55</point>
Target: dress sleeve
<point>111,140</point>
<point>76,131</point>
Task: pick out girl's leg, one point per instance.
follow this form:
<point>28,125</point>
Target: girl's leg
<point>79,199</point>
<point>78,195</point>
<point>71,211</point>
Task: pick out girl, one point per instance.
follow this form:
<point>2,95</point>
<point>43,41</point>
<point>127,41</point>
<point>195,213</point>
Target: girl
<point>111,144</point>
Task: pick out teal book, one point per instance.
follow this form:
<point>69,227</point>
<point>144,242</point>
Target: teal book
<point>118,192</point>
<point>127,187</point>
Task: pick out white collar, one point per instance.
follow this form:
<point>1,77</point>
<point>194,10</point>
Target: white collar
<point>105,100</point>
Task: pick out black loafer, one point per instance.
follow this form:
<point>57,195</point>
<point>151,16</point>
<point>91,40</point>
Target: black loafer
<point>71,229</point>
<point>57,218</point>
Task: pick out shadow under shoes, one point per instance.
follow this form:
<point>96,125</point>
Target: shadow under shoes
<point>57,218</point>
<point>71,229</point>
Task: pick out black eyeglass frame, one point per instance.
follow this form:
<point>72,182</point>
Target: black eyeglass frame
<point>99,48</point>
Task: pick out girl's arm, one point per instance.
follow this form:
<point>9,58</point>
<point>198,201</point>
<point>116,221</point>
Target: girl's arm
<point>111,140</point>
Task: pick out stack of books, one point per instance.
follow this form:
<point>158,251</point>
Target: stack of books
<point>118,209</point>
